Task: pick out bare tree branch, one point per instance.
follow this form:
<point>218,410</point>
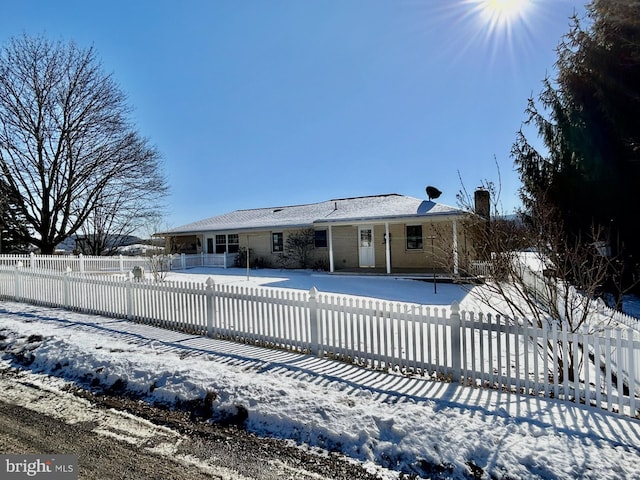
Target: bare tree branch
<point>67,149</point>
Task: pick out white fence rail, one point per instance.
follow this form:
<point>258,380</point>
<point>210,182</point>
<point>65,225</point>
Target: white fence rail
<point>475,349</point>
<point>74,263</point>
<point>575,306</point>
<point>120,263</point>
<point>183,261</point>
<point>480,268</point>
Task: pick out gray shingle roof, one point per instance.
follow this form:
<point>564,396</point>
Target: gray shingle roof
<point>342,210</point>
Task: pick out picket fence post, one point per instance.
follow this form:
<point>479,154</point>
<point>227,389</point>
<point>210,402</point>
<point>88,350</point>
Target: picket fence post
<point>18,282</point>
<point>313,321</point>
<point>65,288</point>
<point>129,295</point>
<point>211,311</point>
<point>81,262</point>
<point>631,371</point>
<point>456,327</point>
<point>121,263</point>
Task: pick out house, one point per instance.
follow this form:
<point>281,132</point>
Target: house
<point>388,233</point>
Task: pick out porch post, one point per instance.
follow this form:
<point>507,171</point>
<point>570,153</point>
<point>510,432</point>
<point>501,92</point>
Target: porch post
<point>455,247</point>
<point>331,266</point>
<point>387,246</point>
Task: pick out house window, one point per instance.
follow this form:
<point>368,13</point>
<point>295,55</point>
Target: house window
<point>320,239</point>
<point>221,243</point>
<point>414,237</point>
<point>227,243</point>
<point>277,242</point>
<point>233,243</point>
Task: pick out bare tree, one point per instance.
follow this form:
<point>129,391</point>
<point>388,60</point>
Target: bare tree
<point>538,273</point>
<point>158,254</point>
<point>126,208</point>
<point>67,148</point>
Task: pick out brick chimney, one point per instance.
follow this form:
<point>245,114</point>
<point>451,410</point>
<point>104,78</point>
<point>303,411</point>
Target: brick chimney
<point>482,202</point>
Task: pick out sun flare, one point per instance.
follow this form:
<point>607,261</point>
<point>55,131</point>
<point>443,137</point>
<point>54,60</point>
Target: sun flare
<point>492,31</point>
<point>503,12</point>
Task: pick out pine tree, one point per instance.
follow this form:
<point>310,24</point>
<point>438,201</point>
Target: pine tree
<point>587,118</point>
<point>13,227</point>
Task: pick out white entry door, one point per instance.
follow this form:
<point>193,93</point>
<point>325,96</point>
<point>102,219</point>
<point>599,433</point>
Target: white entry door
<point>366,253</point>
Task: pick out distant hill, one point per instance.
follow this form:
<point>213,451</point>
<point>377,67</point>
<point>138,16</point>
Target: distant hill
<point>69,245</point>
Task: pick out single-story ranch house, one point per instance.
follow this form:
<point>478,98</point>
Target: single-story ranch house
<point>387,233</point>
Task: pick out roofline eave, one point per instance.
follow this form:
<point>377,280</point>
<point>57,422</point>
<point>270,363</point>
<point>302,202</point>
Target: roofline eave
<point>233,230</point>
<point>315,223</point>
<point>390,219</point>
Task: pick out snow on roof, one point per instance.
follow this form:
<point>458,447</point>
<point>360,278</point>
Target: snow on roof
<point>378,207</point>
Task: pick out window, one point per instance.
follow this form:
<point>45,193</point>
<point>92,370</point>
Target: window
<point>277,242</point>
<point>366,237</point>
<point>227,243</point>
<point>221,243</point>
<point>233,243</point>
<point>320,239</point>
<point>414,237</point>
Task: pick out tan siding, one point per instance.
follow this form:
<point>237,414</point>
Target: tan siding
<point>260,244</point>
<point>345,247</point>
<point>379,246</point>
<point>427,258</point>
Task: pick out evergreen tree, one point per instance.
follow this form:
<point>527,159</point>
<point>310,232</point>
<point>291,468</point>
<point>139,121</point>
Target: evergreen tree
<point>13,227</point>
<point>587,118</point>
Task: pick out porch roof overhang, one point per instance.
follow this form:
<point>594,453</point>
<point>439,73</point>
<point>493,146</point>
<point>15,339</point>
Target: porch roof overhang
<point>225,229</point>
<point>391,219</point>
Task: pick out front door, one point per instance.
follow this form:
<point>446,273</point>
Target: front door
<point>366,253</point>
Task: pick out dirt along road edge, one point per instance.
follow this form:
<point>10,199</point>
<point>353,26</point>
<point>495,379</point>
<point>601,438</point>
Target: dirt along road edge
<point>118,437</point>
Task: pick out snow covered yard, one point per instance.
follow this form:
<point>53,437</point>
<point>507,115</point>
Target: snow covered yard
<point>405,424</point>
<point>389,288</point>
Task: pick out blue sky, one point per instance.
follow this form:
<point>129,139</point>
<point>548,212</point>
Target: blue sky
<point>260,103</point>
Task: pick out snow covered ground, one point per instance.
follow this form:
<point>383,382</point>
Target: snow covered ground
<point>408,424</point>
<point>377,286</point>
<point>388,288</point>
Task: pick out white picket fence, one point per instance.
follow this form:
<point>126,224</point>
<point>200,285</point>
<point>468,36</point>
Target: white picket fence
<point>440,343</point>
<point>118,263</point>
<point>221,260</point>
<point>480,269</point>
<point>75,263</point>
